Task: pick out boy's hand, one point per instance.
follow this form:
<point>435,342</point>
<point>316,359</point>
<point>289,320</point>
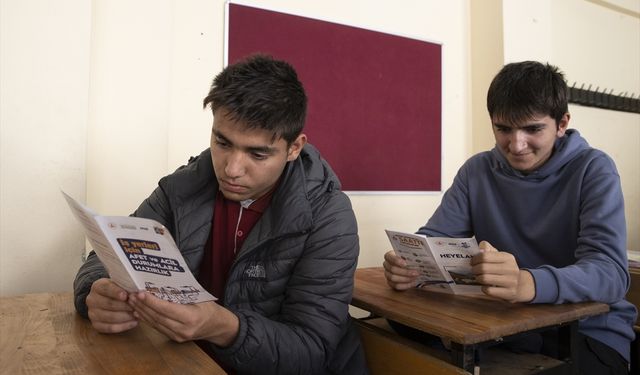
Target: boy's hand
<point>398,276</point>
<point>201,321</point>
<point>500,275</point>
<point>108,308</point>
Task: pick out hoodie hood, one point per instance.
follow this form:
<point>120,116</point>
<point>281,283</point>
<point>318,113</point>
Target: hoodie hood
<point>565,149</point>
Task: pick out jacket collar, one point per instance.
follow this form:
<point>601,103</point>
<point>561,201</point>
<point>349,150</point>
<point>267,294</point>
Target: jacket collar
<point>290,210</point>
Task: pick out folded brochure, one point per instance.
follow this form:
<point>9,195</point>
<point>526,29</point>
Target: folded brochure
<point>444,263</point>
<point>140,254</point>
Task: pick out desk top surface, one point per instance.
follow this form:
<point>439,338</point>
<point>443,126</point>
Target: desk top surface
<point>42,334</point>
<point>465,320</point>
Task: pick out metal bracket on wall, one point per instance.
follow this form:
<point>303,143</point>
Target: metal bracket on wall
<point>603,99</point>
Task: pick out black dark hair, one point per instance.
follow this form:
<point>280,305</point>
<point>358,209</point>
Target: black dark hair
<point>525,89</point>
<point>262,93</point>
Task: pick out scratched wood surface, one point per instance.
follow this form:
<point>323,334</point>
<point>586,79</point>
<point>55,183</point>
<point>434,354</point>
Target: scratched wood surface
<point>465,320</point>
<point>42,334</point>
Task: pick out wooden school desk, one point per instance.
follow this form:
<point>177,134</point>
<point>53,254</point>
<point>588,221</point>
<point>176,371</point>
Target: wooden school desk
<point>42,334</point>
<point>469,323</point>
<point>633,296</point>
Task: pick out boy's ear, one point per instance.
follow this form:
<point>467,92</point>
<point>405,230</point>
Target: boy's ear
<point>563,125</point>
<point>296,146</point>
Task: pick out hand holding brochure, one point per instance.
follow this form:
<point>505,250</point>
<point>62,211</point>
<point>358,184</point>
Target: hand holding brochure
<point>444,263</point>
<point>140,254</point>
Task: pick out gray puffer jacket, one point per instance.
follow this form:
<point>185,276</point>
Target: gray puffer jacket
<point>292,280</point>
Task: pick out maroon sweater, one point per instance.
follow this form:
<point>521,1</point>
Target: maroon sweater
<point>232,222</point>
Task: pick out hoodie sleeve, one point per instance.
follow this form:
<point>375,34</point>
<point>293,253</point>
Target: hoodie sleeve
<point>452,218</point>
<point>600,271</point>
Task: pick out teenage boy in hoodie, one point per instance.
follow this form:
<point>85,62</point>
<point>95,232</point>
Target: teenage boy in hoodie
<point>548,212</point>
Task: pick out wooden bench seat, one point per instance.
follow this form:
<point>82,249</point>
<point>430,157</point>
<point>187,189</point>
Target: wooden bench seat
<point>381,344</point>
<point>389,354</point>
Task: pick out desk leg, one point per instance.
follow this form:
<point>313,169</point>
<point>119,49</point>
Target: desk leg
<point>568,345</point>
<point>464,356</point>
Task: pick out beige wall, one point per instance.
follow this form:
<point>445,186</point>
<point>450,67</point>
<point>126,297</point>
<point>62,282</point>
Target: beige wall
<point>151,64</point>
<point>44,81</point>
<point>103,97</point>
<point>487,57</point>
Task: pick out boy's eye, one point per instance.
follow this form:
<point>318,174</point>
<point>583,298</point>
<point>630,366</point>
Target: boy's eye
<point>258,156</point>
<point>221,143</point>
<point>532,129</point>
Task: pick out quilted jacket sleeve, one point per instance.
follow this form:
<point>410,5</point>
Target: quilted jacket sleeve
<point>90,271</point>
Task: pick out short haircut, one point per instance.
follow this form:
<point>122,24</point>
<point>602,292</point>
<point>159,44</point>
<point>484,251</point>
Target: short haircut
<point>525,89</point>
<point>262,93</point>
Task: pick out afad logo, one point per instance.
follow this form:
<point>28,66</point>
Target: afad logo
<point>408,241</point>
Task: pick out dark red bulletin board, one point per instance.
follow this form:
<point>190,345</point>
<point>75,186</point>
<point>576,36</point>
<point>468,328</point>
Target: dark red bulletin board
<point>374,98</point>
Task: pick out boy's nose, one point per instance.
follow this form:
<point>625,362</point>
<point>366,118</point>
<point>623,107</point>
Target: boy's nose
<point>235,165</point>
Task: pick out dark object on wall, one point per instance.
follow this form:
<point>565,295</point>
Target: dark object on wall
<point>602,99</point>
<point>374,98</point>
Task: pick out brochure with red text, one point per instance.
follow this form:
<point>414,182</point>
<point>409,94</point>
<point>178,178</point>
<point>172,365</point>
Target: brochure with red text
<point>444,263</point>
<point>140,254</point>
